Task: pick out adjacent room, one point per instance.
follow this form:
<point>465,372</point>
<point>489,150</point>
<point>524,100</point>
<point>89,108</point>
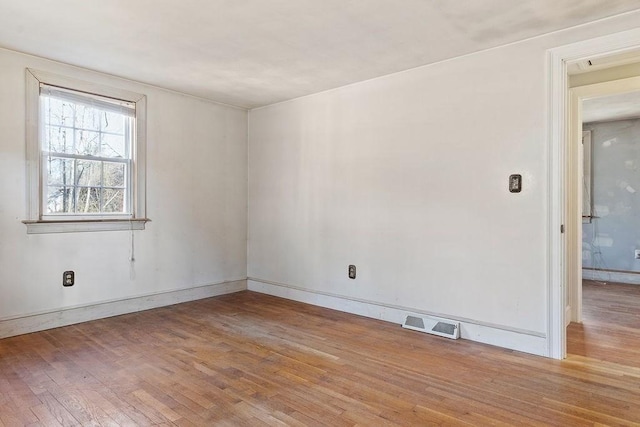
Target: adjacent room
<point>305,212</point>
<point>608,326</point>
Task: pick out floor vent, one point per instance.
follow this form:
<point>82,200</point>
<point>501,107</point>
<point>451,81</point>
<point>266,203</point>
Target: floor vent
<point>433,325</point>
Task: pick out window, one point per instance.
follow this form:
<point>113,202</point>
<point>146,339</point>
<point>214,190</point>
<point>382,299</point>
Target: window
<point>85,156</point>
<point>86,153</point>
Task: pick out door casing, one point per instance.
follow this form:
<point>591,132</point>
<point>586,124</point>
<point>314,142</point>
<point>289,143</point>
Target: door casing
<point>559,255</point>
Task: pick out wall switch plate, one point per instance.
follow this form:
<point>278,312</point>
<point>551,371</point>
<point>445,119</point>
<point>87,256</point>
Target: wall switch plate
<point>515,183</point>
<point>637,254</point>
<point>68,278</point>
<point>352,271</point>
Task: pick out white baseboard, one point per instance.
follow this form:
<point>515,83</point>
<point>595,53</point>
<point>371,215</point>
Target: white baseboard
<point>72,315</point>
<point>611,276</point>
<point>525,341</point>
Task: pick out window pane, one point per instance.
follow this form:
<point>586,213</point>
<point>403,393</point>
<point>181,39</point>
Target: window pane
<point>88,173</point>
<point>58,139</point>
<point>87,117</point>
<point>87,200</point>
<point>112,200</point>
<point>113,146</point>
<point>87,143</point>
<point>59,171</point>
<point>114,174</point>
<point>59,200</point>
<point>113,122</point>
<point>57,112</point>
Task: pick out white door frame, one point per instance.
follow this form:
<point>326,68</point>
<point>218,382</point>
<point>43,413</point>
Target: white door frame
<point>558,127</point>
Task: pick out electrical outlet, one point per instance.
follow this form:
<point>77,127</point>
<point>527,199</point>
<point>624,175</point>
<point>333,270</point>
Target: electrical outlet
<point>515,183</point>
<point>637,254</point>
<point>352,271</point>
<point>68,278</point>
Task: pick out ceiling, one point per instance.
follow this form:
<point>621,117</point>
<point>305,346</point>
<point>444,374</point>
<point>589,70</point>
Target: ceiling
<point>251,53</point>
<point>612,107</point>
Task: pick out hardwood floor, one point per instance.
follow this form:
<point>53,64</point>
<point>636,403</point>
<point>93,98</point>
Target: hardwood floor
<point>611,324</point>
<point>252,359</point>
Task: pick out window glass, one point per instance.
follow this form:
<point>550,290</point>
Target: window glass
<point>86,153</point>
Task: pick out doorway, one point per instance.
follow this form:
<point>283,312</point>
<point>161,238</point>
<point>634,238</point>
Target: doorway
<point>564,219</point>
<point>604,288</point>
<point>603,148</point>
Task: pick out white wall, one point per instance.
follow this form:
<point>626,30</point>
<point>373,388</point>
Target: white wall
<point>405,176</point>
<point>610,240</point>
<point>196,199</point>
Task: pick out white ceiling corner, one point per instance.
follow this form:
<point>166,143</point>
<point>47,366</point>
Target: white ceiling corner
<point>251,53</point>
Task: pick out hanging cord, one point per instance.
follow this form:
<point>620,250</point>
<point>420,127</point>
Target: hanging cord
<point>132,255</point>
<point>597,259</point>
<point>132,252</point>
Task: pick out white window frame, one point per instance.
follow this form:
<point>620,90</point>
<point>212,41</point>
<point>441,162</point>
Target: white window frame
<point>37,219</point>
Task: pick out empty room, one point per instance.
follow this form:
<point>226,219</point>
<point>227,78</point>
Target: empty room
<point>305,212</point>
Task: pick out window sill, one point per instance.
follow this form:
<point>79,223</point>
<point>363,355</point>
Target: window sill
<point>66,226</point>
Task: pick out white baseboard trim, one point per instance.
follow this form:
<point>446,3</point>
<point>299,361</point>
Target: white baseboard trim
<point>524,341</point>
<point>72,315</point>
<point>611,276</point>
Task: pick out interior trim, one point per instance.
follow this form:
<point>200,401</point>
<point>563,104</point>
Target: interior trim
<point>71,315</point>
<point>557,127</point>
<point>71,226</point>
<point>516,339</point>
